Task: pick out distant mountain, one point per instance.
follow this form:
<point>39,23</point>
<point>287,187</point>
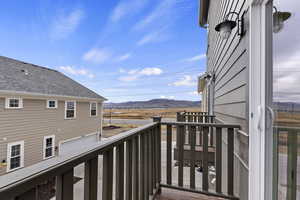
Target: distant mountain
<point>154,103</point>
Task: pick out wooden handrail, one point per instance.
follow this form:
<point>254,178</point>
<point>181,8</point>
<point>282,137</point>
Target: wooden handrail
<point>203,124</point>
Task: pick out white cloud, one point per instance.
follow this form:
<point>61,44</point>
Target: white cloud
<point>158,22</point>
<point>194,93</point>
<point>65,24</point>
<point>135,74</point>
<point>156,36</point>
<point>167,97</point>
<point>97,55</point>
<point>159,15</point>
<point>74,71</point>
<point>127,8</point>
<point>124,57</point>
<point>195,58</point>
<point>187,80</point>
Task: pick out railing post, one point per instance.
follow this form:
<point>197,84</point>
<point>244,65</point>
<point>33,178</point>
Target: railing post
<point>128,169</point>
<point>230,167</point>
<point>218,160</point>
<point>192,130</point>
<point>180,132</point>
<point>205,159</point>
<point>135,168</point>
<point>158,142</point>
<point>169,154</point>
<point>64,185</point>
<point>120,171</point>
<point>107,183</point>
<point>91,179</point>
<point>142,166</point>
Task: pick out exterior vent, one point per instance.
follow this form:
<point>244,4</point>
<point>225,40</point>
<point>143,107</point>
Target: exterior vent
<point>25,71</point>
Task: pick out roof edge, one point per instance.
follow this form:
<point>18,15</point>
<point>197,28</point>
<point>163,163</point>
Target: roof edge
<point>33,94</point>
<point>203,12</point>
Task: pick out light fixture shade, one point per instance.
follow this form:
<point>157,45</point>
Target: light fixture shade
<point>278,20</point>
<point>225,28</point>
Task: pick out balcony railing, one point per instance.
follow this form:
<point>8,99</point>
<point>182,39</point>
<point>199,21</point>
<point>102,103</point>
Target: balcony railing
<point>132,165</point>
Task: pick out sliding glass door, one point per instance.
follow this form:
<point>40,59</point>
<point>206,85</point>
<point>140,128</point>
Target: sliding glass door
<point>286,100</point>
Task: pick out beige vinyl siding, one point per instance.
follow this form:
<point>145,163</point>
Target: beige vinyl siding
<point>229,60</point>
<point>35,121</point>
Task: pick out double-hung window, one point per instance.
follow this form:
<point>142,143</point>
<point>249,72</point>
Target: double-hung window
<point>93,109</point>
<point>70,109</point>
<point>51,103</point>
<point>14,103</point>
<point>49,146</point>
<point>15,155</point>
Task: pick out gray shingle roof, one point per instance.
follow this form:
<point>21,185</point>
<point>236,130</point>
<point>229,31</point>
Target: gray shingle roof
<point>39,80</point>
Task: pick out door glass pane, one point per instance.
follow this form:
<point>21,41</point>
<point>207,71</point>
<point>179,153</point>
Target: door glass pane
<point>286,100</point>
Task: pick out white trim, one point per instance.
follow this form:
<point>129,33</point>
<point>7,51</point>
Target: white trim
<point>7,99</point>
<point>260,173</point>
<point>4,93</point>
<point>9,146</point>
<point>74,110</point>
<point>91,109</point>
<point>48,100</point>
<point>53,146</point>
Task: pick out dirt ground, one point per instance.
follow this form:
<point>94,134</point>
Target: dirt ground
<point>146,113</point>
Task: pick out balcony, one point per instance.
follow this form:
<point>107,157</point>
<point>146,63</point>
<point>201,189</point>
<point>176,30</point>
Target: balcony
<point>161,160</point>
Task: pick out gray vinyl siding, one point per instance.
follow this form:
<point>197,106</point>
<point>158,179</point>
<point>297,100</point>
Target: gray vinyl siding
<point>229,60</point>
<point>34,121</point>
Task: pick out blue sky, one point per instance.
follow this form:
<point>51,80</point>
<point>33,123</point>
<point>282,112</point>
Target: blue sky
<point>122,49</point>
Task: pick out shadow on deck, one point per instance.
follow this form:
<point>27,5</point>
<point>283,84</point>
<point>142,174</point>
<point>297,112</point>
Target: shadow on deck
<point>171,194</point>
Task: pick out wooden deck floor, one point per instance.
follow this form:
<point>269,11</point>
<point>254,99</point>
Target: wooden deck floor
<point>170,194</point>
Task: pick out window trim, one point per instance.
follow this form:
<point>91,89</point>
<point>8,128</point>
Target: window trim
<point>9,146</point>
<point>44,146</point>
<point>91,109</point>
<point>7,99</point>
<point>55,104</point>
<point>74,110</point>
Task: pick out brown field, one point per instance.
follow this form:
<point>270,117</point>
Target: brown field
<point>146,113</point>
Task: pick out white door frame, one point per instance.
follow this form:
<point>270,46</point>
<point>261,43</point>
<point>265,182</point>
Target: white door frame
<point>260,98</point>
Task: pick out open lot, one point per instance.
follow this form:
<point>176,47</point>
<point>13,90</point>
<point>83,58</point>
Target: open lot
<point>146,113</point>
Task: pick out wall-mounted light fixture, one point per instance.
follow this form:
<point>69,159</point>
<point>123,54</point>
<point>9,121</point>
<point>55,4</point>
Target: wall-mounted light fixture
<point>226,26</point>
<point>278,19</point>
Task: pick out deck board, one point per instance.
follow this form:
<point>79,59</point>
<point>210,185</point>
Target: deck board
<point>171,194</point>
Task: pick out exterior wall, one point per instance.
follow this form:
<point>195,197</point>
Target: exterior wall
<point>34,121</point>
<point>228,59</point>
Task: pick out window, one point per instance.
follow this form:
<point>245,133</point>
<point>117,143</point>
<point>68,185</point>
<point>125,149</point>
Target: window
<point>70,109</point>
<point>93,109</point>
<point>51,103</point>
<point>15,155</point>
<point>14,103</point>
<point>49,146</point>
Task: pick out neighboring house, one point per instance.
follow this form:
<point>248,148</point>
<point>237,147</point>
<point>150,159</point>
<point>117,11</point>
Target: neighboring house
<point>43,113</point>
<point>239,89</point>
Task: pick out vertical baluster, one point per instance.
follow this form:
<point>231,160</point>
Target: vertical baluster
<point>150,186</point>
<point>218,160</point>
<point>154,130</point>
<point>192,130</point>
<point>135,168</point>
<point>120,172</point>
<point>91,179</point>
<point>159,152</point>
<point>142,166</point>
<point>205,159</point>
<point>180,154</point>
<point>107,183</point>
<point>64,185</point>
<point>146,166</point>
<point>230,172</point>
<point>169,154</point>
<point>128,170</point>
